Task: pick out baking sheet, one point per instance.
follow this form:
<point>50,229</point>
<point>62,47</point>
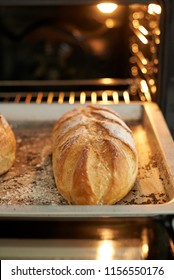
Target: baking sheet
<point>28,189</point>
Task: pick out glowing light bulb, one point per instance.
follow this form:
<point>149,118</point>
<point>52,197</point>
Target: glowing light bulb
<point>107,8</point>
<point>154,9</point>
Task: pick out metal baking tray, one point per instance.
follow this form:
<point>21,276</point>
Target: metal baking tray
<point>28,190</point>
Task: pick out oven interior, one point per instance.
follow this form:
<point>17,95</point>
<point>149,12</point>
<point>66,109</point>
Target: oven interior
<point>74,53</point>
<point>77,53</point>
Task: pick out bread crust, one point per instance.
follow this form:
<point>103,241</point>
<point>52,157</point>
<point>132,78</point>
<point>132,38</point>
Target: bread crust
<point>94,156</point>
<point>7,146</point>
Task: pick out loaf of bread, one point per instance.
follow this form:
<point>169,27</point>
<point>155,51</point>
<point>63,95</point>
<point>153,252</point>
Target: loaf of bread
<point>7,146</point>
<point>94,156</point>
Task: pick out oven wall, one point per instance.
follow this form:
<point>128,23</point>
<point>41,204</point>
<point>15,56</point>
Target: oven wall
<point>166,77</point>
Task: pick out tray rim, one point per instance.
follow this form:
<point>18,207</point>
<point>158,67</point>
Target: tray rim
<point>166,146</point>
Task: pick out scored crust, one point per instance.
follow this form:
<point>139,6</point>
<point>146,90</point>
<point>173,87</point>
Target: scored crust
<point>94,156</point>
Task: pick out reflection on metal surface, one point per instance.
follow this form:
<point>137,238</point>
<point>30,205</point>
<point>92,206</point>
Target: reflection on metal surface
<point>145,246</point>
<point>93,97</point>
<point>82,97</point>
<point>104,97</point>
<point>17,98</point>
<point>107,81</point>
<point>70,249</point>
<point>50,97</point>
<point>39,97</point>
<point>61,97</point>
<point>115,97</point>
<point>28,98</point>
<point>126,97</point>
<point>72,97</point>
<point>105,250</point>
<point>107,8</point>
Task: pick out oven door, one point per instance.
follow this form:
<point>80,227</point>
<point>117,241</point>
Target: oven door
<point>105,239</point>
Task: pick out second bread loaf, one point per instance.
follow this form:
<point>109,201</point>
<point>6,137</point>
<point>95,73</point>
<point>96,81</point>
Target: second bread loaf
<point>7,146</point>
<point>94,156</point>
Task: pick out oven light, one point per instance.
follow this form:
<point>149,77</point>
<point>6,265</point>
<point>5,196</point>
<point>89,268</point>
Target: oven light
<point>107,8</point>
<point>154,9</point>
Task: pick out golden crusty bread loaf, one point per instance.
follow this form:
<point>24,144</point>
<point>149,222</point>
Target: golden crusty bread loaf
<point>94,156</point>
<point>7,146</point>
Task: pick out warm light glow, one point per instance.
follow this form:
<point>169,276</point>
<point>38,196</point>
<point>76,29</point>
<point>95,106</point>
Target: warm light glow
<point>154,9</point>
<point>144,87</point>
<point>157,41</point>
<point>143,30</point>
<point>135,23</point>
<point>72,97</point>
<point>135,48</point>
<point>110,23</point>
<point>106,81</point>
<point>157,31</point>
<point>105,250</point>
<point>39,97</point>
<point>145,90</point>
<point>126,97</point>
<point>153,24</point>
<point>50,97</point>
<point>107,8</point>
<point>28,98</point>
<point>142,39</point>
<point>93,97</point>
<point>115,97</point>
<point>134,71</point>
<point>104,97</point>
<point>138,15</point>
<point>153,89</point>
<point>151,82</point>
<point>142,58</point>
<point>82,97</point>
<point>61,97</point>
<point>144,70</point>
<point>145,250</point>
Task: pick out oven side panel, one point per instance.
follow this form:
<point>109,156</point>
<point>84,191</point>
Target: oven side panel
<point>166,77</point>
